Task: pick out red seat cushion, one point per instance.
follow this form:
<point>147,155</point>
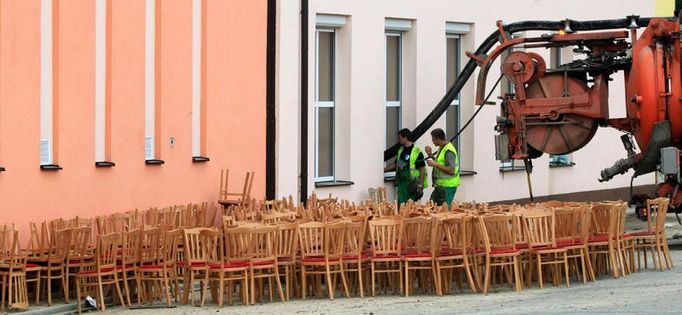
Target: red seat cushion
<point>416,255</point>
<point>263,262</point>
<point>643,233</point>
<point>317,259</point>
<point>194,264</point>
<point>563,243</point>
<point>361,257</point>
<point>29,265</point>
<point>229,265</point>
<point>128,266</point>
<point>522,245</point>
<point>386,257</point>
<point>504,250</point>
<point>94,271</point>
<point>598,238</point>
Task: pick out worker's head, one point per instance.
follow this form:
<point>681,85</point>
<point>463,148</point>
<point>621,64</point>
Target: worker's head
<point>438,137</point>
<point>405,137</point>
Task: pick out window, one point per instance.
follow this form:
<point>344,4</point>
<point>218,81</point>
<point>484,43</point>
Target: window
<point>102,84</point>
<point>556,59</point>
<point>152,76</point>
<point>393,87</point>
<point>452,115</point>
<point>198,81</point>
<point>49,81</point>
<point>325,82</point>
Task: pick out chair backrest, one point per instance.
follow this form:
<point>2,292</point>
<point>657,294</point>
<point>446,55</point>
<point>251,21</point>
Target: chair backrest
<point>199,245</point>
<point>171,246</point>
<point>657,211</point>
<point>335,239</point>
<point>224,176</point>
<point>263,244</point>
<point>236,244</point>
<point>151,246</point>
<point>605,218</point>
<point>455,232</point>
<point>106,253</point>
<point>59,245</point>
<point>386,235</point>
<point>498,231</point>
<point>540,228</point>
<point>80,238</point>
<point>287,240</point>
<point>417,234</point>
<point>311,239</point>
<point>566,222</point>
<point>131,246</point>
<point>11,258</point>
<point>355,238</point>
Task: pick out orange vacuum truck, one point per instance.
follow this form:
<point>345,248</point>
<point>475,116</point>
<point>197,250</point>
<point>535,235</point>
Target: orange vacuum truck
<point>558,111</point>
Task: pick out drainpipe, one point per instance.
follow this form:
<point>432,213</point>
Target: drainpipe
<point>270,119</point>
<point>303,178</point>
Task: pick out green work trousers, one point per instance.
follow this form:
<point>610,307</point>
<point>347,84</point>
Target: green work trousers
<point>442,195</point>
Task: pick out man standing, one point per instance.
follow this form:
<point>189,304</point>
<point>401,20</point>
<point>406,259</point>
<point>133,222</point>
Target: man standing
<point>410,169</point>
<point>445,165</point>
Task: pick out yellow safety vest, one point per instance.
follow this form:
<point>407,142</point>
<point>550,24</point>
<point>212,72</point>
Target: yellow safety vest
<point>440,178</point>
<point>414,171</point>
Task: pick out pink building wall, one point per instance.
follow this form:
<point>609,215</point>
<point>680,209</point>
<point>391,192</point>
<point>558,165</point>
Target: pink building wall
<point>235,108</point>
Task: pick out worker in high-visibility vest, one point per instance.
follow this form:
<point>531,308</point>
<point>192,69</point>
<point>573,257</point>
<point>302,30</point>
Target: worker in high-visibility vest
<point>445,165</point>
<point>410,169</point>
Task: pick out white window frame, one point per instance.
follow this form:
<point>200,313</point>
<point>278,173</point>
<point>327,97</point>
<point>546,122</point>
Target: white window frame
<point>46,84</point>
<point>393,33</point>
<point>100,79</point>
<point>325,104</point>
<point>455,102</point>
<point>150,80</point>
<point>197,83</point>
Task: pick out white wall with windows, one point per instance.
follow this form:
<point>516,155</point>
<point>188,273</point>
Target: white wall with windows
<point>378,66</point>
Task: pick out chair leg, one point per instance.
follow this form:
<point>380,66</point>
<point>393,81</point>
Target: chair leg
<point>517,276</point>
<point>373,278</point>
<point>486,279</point>
<point>279,284</point>
<point>539,258</point>
<point>78,293</point>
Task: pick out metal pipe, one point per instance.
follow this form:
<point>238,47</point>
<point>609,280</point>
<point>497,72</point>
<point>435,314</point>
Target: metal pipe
<point>488,44</point>
<point>270,111</point>
<point>303,177</point>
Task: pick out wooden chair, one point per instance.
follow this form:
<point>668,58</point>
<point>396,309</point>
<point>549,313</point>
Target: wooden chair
<point>12,271</point>
<point>602,243</point>
<point>286,247</point>
<point>263,263</point>
<point>130,259</point>
<point>417,254</point>
<point>454,253</point>
<point>158,257</point>
<point>321,254</point>
<point>79,254</point>
<point>354,255</point>
<point>654,238</point>
<point>227,198</point>
<point>200,245</point>
<point>386,244</point>
<point>499,238</point>
<point>233,265</point>
<point>103,272</point>
<point>53,262</point>
<point>572,233</point>
<point>542,244</point>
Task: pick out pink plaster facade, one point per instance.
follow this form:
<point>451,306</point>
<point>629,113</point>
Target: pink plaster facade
<point>234,96</point>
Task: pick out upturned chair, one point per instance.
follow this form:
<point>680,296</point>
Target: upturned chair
<point>92,278</point>
<point>386,244</point>
<point>227,198</point>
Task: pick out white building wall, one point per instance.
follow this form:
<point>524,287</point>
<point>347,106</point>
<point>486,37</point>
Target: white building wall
<point>360,117</point>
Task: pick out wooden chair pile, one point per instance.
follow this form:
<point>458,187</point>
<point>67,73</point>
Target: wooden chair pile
<point>275,248</point>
